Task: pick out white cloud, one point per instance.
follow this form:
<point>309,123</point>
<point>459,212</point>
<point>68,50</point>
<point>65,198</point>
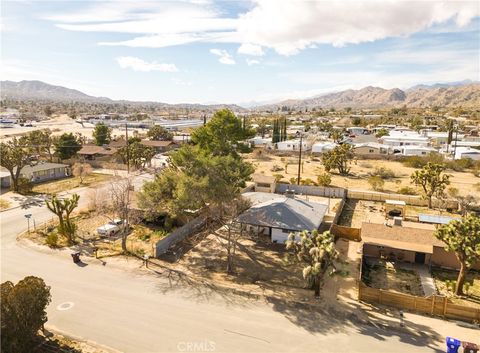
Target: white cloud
<point>180,82</point>
<point>251,49</point>
<point>251,62</point>
<point>224,56</point>
<point>137,64</point>
<point>287,26</point>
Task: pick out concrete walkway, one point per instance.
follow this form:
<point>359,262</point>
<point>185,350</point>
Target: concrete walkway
<point>428,284</point>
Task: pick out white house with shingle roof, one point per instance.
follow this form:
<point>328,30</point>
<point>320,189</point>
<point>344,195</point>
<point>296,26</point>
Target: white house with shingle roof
<point>278,215</point>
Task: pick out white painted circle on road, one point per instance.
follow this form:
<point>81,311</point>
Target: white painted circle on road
<point>65,306</point>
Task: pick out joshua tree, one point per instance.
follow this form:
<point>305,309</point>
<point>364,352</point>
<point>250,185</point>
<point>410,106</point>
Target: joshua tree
<point>63,209</point>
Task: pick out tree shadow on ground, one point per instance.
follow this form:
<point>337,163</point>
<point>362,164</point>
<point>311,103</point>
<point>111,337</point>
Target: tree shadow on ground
<point>198,290</point>
<point>411,333</point>
<point>30,201</point>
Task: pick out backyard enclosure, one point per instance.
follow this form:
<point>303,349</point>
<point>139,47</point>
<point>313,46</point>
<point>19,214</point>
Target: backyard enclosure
<point>433,305</point>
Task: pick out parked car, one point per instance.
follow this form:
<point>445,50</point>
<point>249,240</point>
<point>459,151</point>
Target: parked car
<point>111,227</point>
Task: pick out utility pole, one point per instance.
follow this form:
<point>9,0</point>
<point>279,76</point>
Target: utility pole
<point>455,145</point>
<point>128,148</point>
<point>299,159</point>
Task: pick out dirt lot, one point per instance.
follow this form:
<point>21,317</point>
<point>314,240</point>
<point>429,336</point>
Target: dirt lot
<point>384,275</point>
<point>360,172</point>
<point>442,277</point>
<point>355,212</point>
<point>259,266</point>
<point>58,125</point>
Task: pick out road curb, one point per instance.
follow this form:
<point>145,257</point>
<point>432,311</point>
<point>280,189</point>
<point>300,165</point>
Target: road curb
<point>73,337</point>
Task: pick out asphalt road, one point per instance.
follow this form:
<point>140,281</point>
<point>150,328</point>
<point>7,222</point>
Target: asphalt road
<point>132,311</point>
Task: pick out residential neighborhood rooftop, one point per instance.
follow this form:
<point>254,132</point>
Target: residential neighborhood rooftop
<point>398,237</point>
<point>286,213</point>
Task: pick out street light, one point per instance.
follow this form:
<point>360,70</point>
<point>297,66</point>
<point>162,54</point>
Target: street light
<point>28,216</point>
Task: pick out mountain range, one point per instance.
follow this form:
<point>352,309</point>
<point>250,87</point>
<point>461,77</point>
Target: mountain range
<point>465,94</point>
<point>442,95</point>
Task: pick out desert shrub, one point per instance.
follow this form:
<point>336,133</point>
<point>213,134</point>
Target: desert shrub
<point>376,183</point>
<point>4,204</point>
<point>293,180</point>
<point>52,239</point>
<point>420,162</point>
<point>366,165</point>
<point>276,168</point>
<point>460,165</point>
<point>25,186</point>
<point>383,173</point>
<point>324,179</point>
<point>278,177</point>
<point>407,190</point>
<point>161,233</point>
<point>307,181</point>
<point>476,170</point>
<point>452,191</point>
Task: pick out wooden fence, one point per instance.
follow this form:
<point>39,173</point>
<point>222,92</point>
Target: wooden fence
<point>433,305</point>
<point>346,232</point>
<point>408,199</point>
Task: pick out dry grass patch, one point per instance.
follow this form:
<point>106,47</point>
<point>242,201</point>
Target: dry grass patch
<point>4,204</point>
<point>56,186</point>
<point>445,281</point>
<point>384,275</point>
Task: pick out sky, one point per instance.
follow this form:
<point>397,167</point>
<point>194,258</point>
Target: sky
<point>205,51</point>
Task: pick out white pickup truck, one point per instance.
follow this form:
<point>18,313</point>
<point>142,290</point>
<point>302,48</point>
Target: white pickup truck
<point>111,227</point>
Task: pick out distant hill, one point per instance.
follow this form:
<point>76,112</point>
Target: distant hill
<point>466,95</point>
<point>38,90</point>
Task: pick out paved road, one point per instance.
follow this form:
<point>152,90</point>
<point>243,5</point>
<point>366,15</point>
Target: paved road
<point>134,312</point>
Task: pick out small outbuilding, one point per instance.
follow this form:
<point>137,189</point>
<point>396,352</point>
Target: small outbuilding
<point>395,208</point>
<point>264,183</point>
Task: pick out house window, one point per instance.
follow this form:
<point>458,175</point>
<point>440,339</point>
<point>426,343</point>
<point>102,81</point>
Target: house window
<point>285,231</point>
<point>424,153</point>
<point>371,151</point>
<point>263,185</point>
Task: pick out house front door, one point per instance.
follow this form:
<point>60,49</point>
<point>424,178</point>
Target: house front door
<point>419,258</point>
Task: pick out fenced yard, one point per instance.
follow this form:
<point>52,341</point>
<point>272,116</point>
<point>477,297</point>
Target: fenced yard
<point>433,305</point>
<point>438,305</point>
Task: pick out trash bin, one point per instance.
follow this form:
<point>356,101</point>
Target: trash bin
<point>76,257</point>
<point>469,347</point>
<point>452,345</point>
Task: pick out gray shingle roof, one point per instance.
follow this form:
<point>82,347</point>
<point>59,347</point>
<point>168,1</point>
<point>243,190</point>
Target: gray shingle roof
<point>42,166</point>
<point>285,213</point>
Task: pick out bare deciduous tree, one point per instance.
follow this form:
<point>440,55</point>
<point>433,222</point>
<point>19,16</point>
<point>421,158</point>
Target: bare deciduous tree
<point>230,231</point>
<point>81,170</point>
<point>120,196</point>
